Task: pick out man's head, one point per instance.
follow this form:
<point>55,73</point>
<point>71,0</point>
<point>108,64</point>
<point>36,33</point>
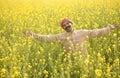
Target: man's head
<point>66,24</point>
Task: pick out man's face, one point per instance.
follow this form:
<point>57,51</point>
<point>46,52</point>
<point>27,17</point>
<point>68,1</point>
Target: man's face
<point>67,27</point>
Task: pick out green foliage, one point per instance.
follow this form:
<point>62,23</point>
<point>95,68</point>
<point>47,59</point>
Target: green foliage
<point>25,57</point>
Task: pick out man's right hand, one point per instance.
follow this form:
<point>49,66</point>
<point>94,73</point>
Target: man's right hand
<point>27,33</point>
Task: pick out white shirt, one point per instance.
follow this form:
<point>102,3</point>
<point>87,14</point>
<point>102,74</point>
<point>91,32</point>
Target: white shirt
<point>75,41</point>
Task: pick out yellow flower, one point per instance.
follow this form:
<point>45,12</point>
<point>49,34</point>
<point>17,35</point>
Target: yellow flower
<point>84,76</point>
<point>117,62</point>
<point>35,64</point>
<point>29,67</point>
<point>114,74</point>
<point>41,49</point>
<point>17,73</point>
<point>35,70</point>
<point>45,72</point>
<point>38,52</point>
<point>43,61</point>
<point>86,61</point>
<point>98,72</point>
<point>10,49</point>
<point>12,35</point>
<point>55,71</point>
<point>66,72</point>
<point>3,70</point>
<point>62,68</point>
<point>104,38</point>
<point>114,45</point>
<point>109,49</point>
<point>98,54</point>
<point>86,25</point>
<point>25,75</point>
<point>46,76</point>
<point>114,35</point>
<point>39,73</point>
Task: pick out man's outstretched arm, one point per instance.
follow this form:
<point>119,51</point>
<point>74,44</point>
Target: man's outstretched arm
<point>100,32</point>
<point>42,37</point>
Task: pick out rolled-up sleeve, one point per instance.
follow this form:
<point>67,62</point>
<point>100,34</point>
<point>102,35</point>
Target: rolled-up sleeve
<point>98,32</point>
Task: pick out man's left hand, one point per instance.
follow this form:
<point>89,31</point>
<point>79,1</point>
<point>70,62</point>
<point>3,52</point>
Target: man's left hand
<point>112,27</point>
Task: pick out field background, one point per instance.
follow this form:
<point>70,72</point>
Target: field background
<point>25,57</point>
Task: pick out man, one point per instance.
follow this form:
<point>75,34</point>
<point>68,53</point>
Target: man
<point>72,40</point>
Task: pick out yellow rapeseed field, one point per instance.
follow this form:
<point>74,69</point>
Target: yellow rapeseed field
<point>25,57</point>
